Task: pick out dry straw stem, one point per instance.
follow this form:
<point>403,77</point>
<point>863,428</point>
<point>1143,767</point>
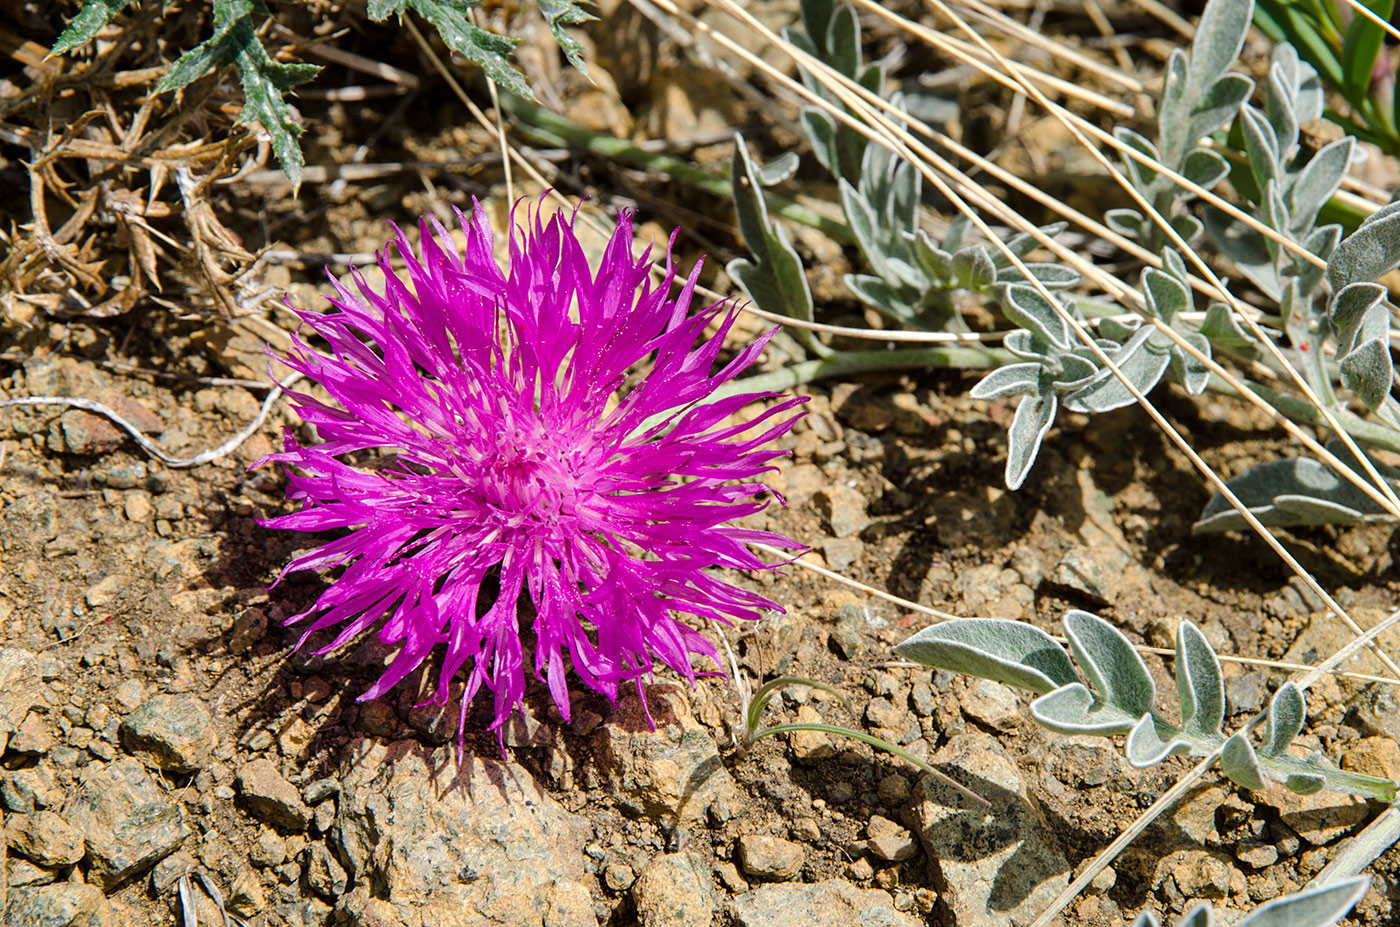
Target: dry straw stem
<point>1382,495</point>
<point>901,142</point>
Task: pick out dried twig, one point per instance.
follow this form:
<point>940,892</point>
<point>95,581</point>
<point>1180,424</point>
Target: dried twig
<point>149,446</point>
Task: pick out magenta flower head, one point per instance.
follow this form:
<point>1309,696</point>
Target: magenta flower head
<point>547,431</point>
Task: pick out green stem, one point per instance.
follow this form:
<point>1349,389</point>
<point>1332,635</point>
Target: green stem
<point>849,363</point>
<point>543,127</point>
<point>1305,413</point>
<point>878,743</point>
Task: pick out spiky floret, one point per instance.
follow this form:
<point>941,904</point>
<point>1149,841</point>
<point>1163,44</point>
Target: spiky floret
<point>519,463</point>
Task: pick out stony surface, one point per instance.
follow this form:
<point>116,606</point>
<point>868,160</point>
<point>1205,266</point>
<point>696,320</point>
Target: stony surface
<point>674,890</point>
<point>175,731</point>
<point>1000,865</point>
<point>45,838</point>
<point>672,771</point>
<point>127,820</point>
<point>457,846</point>
<point>769,859</point>
<point>19,684</point>
<point>270,797</point>
<point>62,905</point>
<point>128,581</point>
<point>832,903</point>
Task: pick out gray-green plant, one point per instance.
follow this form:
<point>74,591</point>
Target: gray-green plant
<point>923,284</point>
<point>235,43</point>
<point>1111,692</point>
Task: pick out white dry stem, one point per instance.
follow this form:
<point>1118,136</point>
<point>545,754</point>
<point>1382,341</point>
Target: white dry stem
<point>149,446</point>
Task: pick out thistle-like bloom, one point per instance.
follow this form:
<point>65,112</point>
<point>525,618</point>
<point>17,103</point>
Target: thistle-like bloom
<point>547,431</point>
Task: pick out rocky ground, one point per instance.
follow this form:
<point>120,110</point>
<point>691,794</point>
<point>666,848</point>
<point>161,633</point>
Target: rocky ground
<point>165,749</point>
<point>158,723</point>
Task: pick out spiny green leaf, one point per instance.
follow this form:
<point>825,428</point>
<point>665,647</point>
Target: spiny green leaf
<point>235,42</point>
<point>90,19</point>
<point>483,48</point>
<point>561,13</point>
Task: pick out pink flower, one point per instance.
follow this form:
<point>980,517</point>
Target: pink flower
<point>544,431</point>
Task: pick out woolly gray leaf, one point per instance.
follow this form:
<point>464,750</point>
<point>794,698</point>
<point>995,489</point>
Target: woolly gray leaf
<point>1051,276</point>
<point>1205,167</point>
<point>1010,380</point>
<point>1246,248</point>
<point>1372,250</point>
<point>1287,712</point>
<point>1367,371</point>
<point>1166,295</point>
<point>1321,906</point>
<point>1034,416</point>
<point>1152,741</point>
<point>1199,684</point>
<point>1218,107</point>
<point>1009,652</point>
<point>1222,329</point>
<point>1352,304</point>
<point>1318,181</point>
<point>1025,307</point>
<point>1126,222</point>
<point>1218,40</point>
<point>1110,663</point>
<point>1240,764</point>
<point>861,218</point>
<point>1072,709</point>
<point>777,170</point>
<point>1140,361</point>
<point>973,268</point>
<point>1260,145</point>
<point>1193,373</point>
<point>1289,493</point>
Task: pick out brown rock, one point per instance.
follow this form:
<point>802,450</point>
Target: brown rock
<point>674,890</point>
<point>669,772</point>
<point>1373,756</point>
<point>809,746</point>
<point>45,838</point>
<point>127,820</point>
<point>270,797</point>
<point>175,731</point>
<point>455,844</point>
<point>771,859</point>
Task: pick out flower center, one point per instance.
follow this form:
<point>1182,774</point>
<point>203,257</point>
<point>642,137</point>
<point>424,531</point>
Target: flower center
<point>529,483</point>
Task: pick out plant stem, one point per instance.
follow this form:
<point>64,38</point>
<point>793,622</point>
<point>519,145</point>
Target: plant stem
<point>848,363</point>
<point>1305,413</point>
<point>875,742</point>
<point>543,127</point>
